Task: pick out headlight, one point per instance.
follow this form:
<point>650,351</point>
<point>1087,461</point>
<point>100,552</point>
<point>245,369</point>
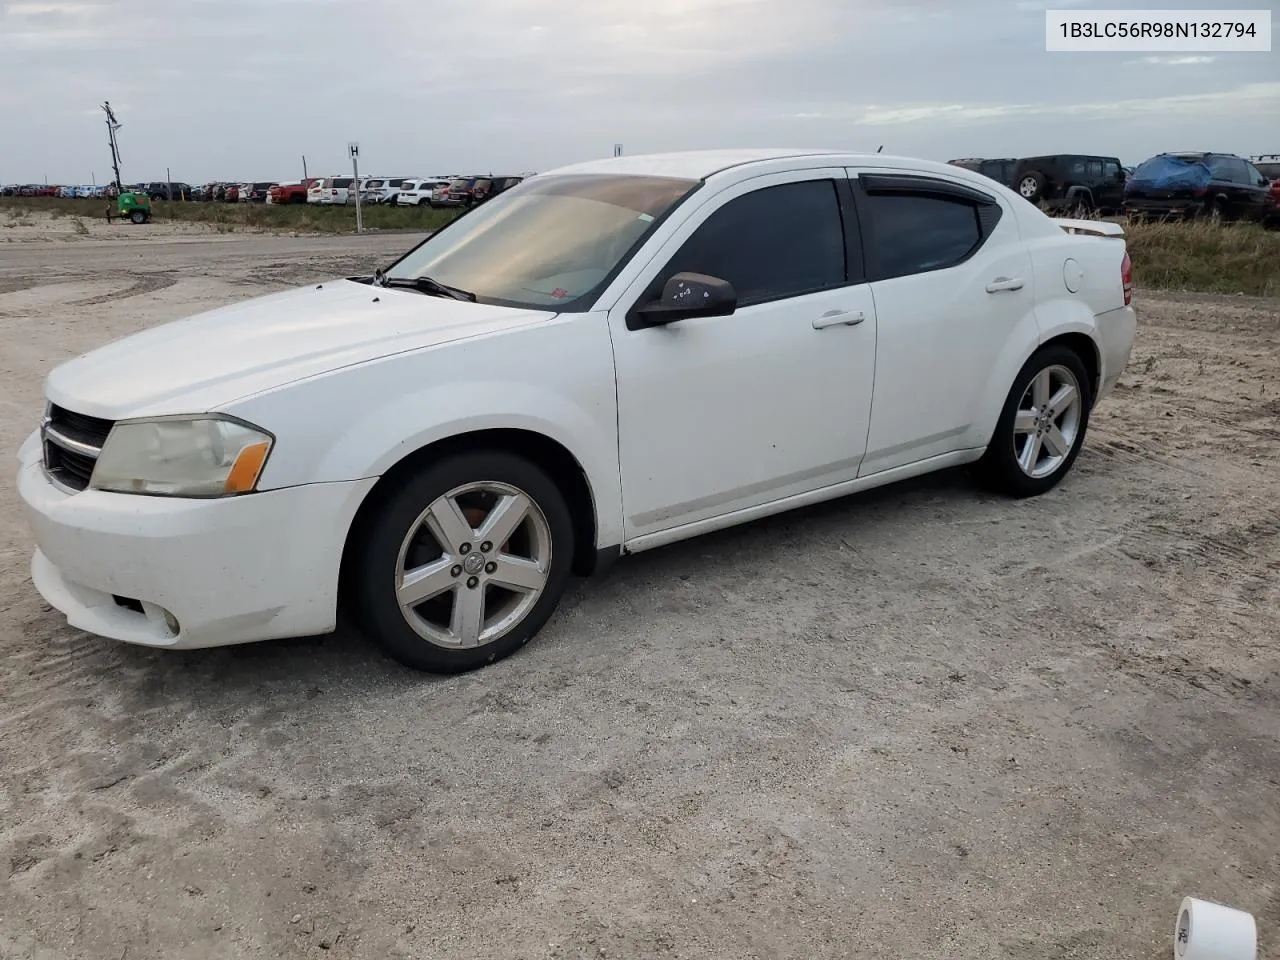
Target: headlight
<point>182,457</point>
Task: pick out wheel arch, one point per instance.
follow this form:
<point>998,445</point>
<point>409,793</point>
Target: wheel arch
<point>548,454</point>
<point>1075,334</point>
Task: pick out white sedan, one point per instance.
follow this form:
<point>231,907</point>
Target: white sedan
<point>604,359</point>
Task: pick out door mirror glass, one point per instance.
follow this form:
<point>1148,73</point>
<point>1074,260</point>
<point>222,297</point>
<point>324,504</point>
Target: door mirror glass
<point>688,295</point>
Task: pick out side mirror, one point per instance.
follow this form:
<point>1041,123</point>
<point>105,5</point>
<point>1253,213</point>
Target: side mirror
<point>689,295</point>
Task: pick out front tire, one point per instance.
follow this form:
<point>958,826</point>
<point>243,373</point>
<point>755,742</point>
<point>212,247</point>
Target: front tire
<point>1042,425</point>
<point>463,562</point>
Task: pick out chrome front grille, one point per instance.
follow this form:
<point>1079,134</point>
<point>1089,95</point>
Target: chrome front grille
<point>72,442</point>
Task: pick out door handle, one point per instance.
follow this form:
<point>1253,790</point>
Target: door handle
<point>1004,283</point>
<point>834,318</point>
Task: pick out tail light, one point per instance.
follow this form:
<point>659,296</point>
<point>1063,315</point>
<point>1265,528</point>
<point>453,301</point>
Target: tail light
<point>1126,278</point>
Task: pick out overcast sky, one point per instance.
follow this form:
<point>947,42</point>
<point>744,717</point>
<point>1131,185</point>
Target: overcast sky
<point>240,89</point>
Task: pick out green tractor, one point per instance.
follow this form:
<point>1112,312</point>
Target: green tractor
<point>129,205</point>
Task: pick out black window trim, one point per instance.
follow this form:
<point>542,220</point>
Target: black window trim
<point>854,256</point>
<point>879,183</point>
<point>922,186</point>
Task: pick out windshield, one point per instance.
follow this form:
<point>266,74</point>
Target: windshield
<point>549,242</point>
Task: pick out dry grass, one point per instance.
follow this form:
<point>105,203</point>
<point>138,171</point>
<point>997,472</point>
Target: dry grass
<point>248,217</point>
<point>1199,256</point>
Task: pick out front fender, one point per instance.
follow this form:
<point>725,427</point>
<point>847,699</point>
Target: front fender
<point>555,380</point>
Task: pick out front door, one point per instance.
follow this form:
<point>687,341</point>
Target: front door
<point>720,414</point>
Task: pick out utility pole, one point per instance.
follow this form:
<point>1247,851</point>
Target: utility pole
<point>168,184</point>
<point>304,168</point>
<point>112,126</point>
<point>355,184</point>
<point>617,149</point>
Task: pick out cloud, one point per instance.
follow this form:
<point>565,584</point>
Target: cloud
<point>1181,61</point>
<point>243,88</point>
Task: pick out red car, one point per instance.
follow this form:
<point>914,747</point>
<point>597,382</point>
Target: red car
<point>292,191</point>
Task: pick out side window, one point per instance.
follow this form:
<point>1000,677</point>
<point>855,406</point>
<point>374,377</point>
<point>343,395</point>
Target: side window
<point>1095,169</point>
<point>1219,167</point>
<point>1240,171</point>
<point>914,233</point>
<point>1110,170</point>
<point>1255,175</point>
<point>1076,168</point>
<point>776,242</point>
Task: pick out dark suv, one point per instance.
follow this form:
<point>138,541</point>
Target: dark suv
<point>1217,185</point>
<point>486,188</point>
<point>1001,171</point>
<point>1080,183</point>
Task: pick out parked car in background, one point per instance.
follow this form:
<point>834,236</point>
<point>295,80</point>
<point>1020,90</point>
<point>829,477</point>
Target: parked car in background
<point>380,190</point>
<point>1000,170</point>
<point>432,441</point>
<point>257,191</point>
<point>330,190</point>
<point>231,193</point>
<point>458,193</point>
<point>1220,186</point>
<point>291,191</point>
<point>419,192</point>
<point>486,188</point>
<point>1079,183</point>
<point>160,190</point>
<point>1268,165</point>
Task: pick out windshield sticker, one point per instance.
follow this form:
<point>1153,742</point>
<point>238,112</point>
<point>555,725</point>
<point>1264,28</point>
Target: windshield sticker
<point>645,218</point>
<point>559,293</point>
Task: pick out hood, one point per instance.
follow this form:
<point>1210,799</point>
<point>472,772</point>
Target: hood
<point>213,358</point>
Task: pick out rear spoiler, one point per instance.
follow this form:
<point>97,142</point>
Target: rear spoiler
<point>1095,228</point>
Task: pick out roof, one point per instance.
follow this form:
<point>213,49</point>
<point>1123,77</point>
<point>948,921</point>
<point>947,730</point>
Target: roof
<point>689,165</point>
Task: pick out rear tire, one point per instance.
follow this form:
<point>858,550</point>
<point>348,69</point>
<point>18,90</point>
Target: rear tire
<point>443,606</point>
<point>138,216</point>
<point>1042,425</point>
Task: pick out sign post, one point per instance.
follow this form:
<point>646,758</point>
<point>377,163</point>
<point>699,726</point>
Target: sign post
<point>617,149</point>
<point>355,184</point>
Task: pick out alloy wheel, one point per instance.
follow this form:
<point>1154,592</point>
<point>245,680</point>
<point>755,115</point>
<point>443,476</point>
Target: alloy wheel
<point>1047,424</point>
<point>473,564</point>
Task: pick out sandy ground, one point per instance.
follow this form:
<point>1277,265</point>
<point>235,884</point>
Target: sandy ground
<point>922,723</point>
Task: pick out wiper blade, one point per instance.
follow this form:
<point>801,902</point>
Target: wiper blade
<point>427,285</point>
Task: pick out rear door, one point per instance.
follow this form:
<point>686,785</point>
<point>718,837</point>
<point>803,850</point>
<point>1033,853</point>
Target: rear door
<point>953,289</point>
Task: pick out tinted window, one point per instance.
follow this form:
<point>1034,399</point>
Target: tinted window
<point>1220,167</point>
<point>775,242</point>
<point>910,233</point>
<point>1110,169</point>
<point>1255,175</point>
<point>1239,170</point>
<point>1095,169</point>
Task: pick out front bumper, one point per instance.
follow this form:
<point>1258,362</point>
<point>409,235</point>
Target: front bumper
<point>228,571</point>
